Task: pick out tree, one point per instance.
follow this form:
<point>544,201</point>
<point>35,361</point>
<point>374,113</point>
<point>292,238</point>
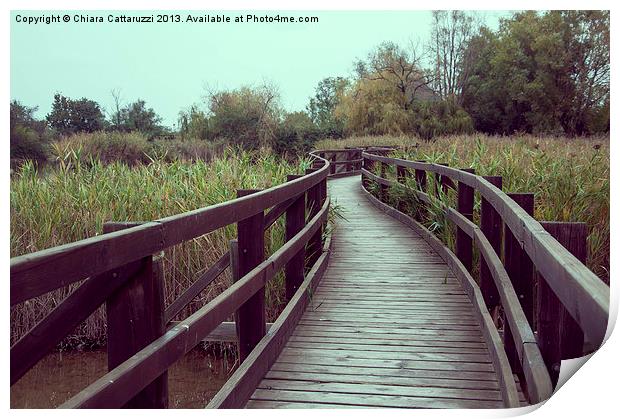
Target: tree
<point>194,123</point>
<point>451,32</point>
<point>397,67</point>
<point>116,116</point>
<point>137,117</point>
<point>296,134</point>
<point>69,116</point>
<point>321,107</point>
<point>247,116</point>
<point>29,137</point>
<point>541,73</point>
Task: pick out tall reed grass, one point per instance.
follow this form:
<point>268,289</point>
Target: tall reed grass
<point>73,199</point>
<point>569,177</point>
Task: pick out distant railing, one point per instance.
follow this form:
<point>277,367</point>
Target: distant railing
<point>122,268</point>
<point>570,300</point>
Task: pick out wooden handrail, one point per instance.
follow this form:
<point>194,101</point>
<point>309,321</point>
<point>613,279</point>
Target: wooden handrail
<point>581,292</point>
<point>119,385</point>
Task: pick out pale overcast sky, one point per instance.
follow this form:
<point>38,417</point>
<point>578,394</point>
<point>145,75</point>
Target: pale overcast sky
<point>169,64</point>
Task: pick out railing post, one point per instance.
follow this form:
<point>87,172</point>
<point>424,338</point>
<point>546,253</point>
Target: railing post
<point>370,165</point>
<point>491,226</point>
<point>521,273</point>
<point>559,336</point>
<point>135,318</point>
<point>383,194</point>
<point>332,166</point>
<point>251,245</point>
<point>364,177</point>
<point>314,247</point>
<point>295,220</point>
<point>465,205</point>
<point>233,247</point>
<point>348,166</point>
<point>420,178</point>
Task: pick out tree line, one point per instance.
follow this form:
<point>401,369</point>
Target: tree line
<point>539,72</point>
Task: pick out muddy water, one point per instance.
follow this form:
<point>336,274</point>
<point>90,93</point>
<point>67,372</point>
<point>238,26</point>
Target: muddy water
<point>192,381</point>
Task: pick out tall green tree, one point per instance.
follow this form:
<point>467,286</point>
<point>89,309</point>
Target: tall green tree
<point>544,72</point>
<point>322,105</point>
<point>69,116</point>
<point>137,117</point>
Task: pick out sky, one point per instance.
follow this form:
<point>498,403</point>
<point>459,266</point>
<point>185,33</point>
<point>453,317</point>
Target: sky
<point>170,65</point>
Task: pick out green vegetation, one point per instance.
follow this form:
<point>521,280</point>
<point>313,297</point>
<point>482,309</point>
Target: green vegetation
<point>569,177</point>
<point>73,200</point>
<point>538,73</point>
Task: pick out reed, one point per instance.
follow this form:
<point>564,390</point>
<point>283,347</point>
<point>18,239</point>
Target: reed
<point>72,199</point>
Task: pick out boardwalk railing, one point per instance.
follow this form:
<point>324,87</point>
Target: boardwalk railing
<point>122,268</point>
<point>538,285</point>
<point>348,161</point>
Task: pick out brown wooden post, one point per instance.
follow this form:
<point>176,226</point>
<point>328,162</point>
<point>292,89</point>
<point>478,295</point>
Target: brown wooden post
<point>370,165</point>
<point>420,178</point>
<point>491,226</point>
<point>333,159</point>
<point>251,245</point>
<point>520,271</point>
<point>313,248</point>
<point>465,205</point>
<point>233,247</point>
<point>135,318</point>
<point>295,220</point>
<point>383,189</point>
<point>348,166</point>
<point>559,336</point>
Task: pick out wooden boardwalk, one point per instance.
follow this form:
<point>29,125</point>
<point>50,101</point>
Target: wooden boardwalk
<point>380,314</point>
<point>389,325</point>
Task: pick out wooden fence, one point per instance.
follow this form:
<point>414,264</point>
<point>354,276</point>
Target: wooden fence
<point>122,268</point>
<point>531,274</point>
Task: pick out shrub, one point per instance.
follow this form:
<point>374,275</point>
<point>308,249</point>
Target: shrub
<point>296,134</point>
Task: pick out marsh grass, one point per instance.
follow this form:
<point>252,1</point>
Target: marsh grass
<point>71,202</point>
<point>569,177</point>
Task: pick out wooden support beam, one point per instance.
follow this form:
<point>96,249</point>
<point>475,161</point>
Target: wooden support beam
<point>313,248</point>
<point>135,318</point>
<point>465,205</point>
<point>295,221</point>
<point>420,178</point>
<point>559,336</point>
<point>521,273</point>
<point>383,189</point>
<point>402,173</point>
<point>251,315</point>
<point>491,226</point>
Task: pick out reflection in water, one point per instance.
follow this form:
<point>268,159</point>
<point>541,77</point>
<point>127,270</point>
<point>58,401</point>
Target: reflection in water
<point>192,381</point>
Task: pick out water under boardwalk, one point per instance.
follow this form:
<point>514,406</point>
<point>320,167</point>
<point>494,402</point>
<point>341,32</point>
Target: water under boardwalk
<point>389,325</point>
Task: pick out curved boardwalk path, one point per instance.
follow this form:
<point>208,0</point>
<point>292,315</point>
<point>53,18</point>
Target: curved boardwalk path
<point>389,325</point>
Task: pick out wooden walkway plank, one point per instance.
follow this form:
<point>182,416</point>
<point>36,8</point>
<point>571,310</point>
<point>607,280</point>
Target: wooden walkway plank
<point>388,326</point>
